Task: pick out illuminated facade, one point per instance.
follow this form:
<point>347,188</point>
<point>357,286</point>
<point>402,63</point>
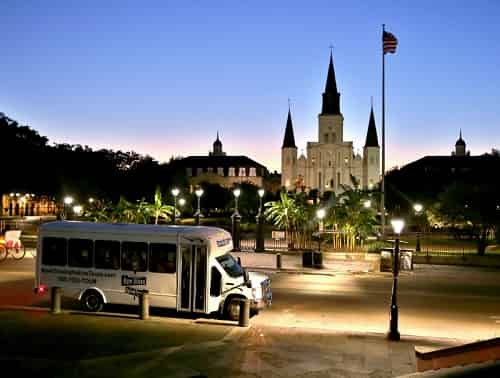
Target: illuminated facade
<point>331,161</point>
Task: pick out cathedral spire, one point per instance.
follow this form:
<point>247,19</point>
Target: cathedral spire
<point>371,135</point>
<point>331,96</point>
<point>289,140</point>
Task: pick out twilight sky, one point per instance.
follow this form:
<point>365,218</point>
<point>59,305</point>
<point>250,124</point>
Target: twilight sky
<point>161,77</point>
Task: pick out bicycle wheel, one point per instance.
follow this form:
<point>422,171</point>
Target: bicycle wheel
<point>3,252</point>
<point>18,253</point>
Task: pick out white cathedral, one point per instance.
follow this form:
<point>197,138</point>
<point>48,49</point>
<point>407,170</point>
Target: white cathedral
<point>330,161</point>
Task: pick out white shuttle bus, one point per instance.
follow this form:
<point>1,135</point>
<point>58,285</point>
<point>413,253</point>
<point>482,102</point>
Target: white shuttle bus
<point>187,268</point>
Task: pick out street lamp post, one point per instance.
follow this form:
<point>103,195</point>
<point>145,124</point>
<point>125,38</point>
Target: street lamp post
<point>175,193</point>
<point>68,200</point>
<point>182,202</point>
<point>259,244</point>
<point>320,214</point>
<point>199,193</point>
<point>397,226</point>
<point>418,209</point>
<point>236,219</point>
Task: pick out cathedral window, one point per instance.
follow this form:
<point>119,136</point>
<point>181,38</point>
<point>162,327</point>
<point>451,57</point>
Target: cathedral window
<point>326,138</point>
<point>338,180</point>
<point>334,137</point>
<point>253,172</point>
<point>242,171</point>
<point>329,163</point>
<point>220,171</point>
<point>331,184</point>
<point>231,171</point>
<point>189,172</point>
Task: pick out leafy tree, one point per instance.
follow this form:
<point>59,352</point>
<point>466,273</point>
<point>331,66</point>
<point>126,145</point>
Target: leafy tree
<point>471,207</point>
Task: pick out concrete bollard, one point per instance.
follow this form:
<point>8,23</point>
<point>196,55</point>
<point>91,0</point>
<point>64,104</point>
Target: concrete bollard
<point>278,261</point>
<point>55,300</point>
<point>244,319</point>
<point>144,305</point>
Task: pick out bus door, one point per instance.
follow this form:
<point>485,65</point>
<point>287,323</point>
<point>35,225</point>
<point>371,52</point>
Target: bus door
<point>193,279</point>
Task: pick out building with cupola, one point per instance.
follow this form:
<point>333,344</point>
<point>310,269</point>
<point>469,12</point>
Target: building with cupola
<point>219,168</point>
<point>330,161</point>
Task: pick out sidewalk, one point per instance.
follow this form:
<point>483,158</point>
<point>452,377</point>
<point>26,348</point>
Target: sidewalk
<point>112,345</point>
<point>292,263</point>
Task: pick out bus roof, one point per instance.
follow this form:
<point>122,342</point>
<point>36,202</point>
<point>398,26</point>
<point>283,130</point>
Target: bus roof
<point>203,232</point>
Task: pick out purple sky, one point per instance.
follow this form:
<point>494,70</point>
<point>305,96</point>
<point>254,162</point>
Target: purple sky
<point>162,77</point>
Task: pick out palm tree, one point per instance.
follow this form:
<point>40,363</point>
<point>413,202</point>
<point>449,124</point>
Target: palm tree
<point>291,215</point>
<point>123,212</point>
<point>356,220</point>
<point>160,210</point>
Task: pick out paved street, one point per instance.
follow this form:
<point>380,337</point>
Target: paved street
<point>318,326</point>
<point>441,301</point>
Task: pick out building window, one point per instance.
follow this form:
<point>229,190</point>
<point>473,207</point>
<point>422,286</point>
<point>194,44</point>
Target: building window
<point>326,138</point>
<point>338,180</point>
<point>189,172</point>
<point>220,171</point>
<point>329,163</point>
<point>334,137</point>
<point>320,184</point>
<point>372,160</point>
<point>199,171</point>
<point>210,169</point>
<point>231,172</point>
<point>253,172</point>
<point>331,184</point>
<point>242,171</point>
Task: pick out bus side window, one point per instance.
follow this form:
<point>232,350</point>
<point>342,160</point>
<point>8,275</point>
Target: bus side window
<point>80,253</point>
<point>215,282</point>
<point>162,258</point>
<point>134,256</point>
<point>107,254</point>
<point>54,251</point>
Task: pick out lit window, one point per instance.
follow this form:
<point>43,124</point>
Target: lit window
<point>189,172</point>
<point>231,171</point>
<point>242,171</point>
<point>210,169</point>
<point>220,171</point>
<point>253,172</point>
<point>199,171</point>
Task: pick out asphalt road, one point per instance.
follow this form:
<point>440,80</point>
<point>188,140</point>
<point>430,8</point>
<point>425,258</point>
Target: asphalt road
<point>439,301</point>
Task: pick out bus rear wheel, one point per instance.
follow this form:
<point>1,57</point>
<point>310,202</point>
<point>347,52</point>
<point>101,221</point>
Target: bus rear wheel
<point>92,301</point>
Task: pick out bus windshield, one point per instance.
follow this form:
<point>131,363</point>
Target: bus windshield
<point>230,265</point>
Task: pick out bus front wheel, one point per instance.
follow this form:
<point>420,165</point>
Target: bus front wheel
<point>92,301</point>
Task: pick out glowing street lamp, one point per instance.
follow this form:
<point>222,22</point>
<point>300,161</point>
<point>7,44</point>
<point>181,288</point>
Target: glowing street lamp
<point>91,200</point>
<point>418,209</point>
<point>397,226</point>
<point>68,200</point>
<point>199,193</point>
<point>320,214</point>
<point>175,193</point>
<point>367,204</point>
<point>259,243</point>
<point>236,219</point>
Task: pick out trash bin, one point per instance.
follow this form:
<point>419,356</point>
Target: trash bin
<point>406,260</point>
<point>312,259</point>
<point>386,260</point>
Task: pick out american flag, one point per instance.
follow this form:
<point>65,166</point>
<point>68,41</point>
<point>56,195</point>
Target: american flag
<point>390,43</point>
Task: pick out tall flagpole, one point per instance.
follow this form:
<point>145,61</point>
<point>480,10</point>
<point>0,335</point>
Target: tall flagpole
<point>382,196</point>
